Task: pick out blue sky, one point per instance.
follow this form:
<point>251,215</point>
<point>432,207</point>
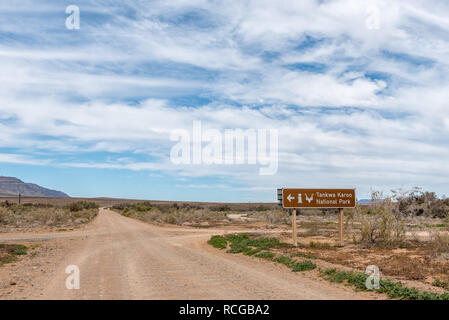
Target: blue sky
<point>356,104</point>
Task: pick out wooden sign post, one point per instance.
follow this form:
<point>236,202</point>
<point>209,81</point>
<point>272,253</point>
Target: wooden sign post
<point>340,225</point>
<point>295,236</point>
<point>293,198</point>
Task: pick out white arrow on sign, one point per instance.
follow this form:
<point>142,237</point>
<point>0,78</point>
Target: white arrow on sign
<point>290,198</point>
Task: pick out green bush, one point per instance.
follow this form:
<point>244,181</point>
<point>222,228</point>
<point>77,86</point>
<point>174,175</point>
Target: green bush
<point>218,242</point>
<point>241,243</point>
<point>15,249</point>
<point>264,243</point>
<point>304,255</point>
<point>221,208</point>
<point>258,247</point>
<point>8,252</point>
<point>392,289</point>
<point>252,252</point>
<point>441,284</point>
<point>285,260</point>
<point>303,266</point>
<point>82,205</point>
<point>265,255</point>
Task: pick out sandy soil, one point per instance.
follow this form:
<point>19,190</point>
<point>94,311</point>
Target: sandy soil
<point>122,258</point>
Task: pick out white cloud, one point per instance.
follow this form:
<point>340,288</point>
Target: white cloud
<point>375,114</point>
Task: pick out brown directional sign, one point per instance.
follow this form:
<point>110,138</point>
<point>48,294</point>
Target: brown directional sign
<point>317,198</point>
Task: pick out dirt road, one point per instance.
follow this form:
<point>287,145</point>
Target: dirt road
<point>122,258</point>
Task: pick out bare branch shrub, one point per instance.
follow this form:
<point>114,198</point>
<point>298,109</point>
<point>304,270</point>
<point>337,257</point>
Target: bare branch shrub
<point>439,243</point>
<point>381,222</point>
<point>272,216</point>
<point>416,202</point>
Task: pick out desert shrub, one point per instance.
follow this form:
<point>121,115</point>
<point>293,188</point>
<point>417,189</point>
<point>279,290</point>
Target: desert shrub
<point>169,218</point>
<point>141,208</point>
<point>6,204</point>
<point>262,208</point>
<point>188,206</point>
<point>416,202</point>
<point>8,252</point>
<point>271,216</point>
<point>15,249</point>
<point>145,206</point>
<point>303,266</point>
<point>168,213</point>
<point>121,206</point>
<point>220,208</point>
<point>321,245</point>
<point>381,223</point>
<point>439,242</point>
<point>26,216</point>
<point>441,284</point>
<point>242,243</point>
<point>285,260</point>
<point>82,205</point>
<point>38,205</point>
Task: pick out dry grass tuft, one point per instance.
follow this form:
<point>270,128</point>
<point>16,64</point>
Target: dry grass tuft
<point>28,216</point>
<point>271,216</point>
<point>439,243</point>
<point>169,214</point>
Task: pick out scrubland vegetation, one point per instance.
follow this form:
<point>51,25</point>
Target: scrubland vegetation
<point>406,235</point>
<point>189,214</point>
<point>13,216</point>
<point>272,249</point>
<point>394,290</point>
<point>171,213</point>
<point>279,216</point>
<point>387,219</point>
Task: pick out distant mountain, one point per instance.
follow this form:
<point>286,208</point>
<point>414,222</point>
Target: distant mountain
<point>370,201</point>
<point>364,201</point>
<point>10,186</point>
